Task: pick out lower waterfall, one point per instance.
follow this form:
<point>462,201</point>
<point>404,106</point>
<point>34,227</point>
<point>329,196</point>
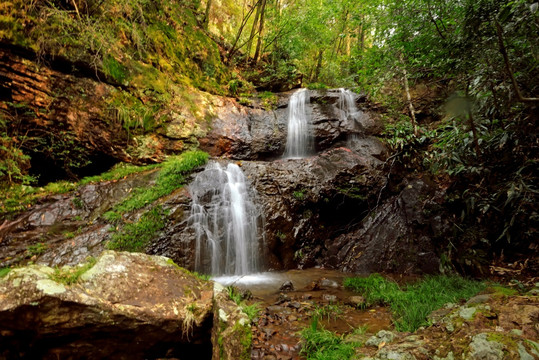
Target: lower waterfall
<point>226,222</point>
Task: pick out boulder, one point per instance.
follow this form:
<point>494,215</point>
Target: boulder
<point>125,306</point>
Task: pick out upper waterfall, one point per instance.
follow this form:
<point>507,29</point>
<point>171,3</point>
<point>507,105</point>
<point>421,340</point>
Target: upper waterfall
<point>299,141</point>
<point>347,105</point>
<point>226,221</point>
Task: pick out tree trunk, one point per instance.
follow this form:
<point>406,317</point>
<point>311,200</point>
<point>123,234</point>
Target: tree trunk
<point>252,36</point>
<point>207,15</point>
<point>260,31</point>
<point>409,97</point>
<point>318,66</point>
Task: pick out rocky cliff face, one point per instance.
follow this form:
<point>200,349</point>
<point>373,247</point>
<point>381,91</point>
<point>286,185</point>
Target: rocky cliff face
<point>325,210</point>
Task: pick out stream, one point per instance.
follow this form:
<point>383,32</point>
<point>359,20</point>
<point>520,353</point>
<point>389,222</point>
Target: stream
<point>285,311</point>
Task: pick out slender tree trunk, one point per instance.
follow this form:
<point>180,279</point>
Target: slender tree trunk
<point>471,121</point>
<point>409,97</point>
<point>207,15</point>
<point>240,31</point>
<point>260,33</point>
<point>76,8</point>
<point>318,66</point>
<point>253,34</point>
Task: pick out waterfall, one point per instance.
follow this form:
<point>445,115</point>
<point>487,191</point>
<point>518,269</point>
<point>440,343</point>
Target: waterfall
<point>225,220</point>
<point>299,141</point>
<point>347,105</point>
<point>350,115</point>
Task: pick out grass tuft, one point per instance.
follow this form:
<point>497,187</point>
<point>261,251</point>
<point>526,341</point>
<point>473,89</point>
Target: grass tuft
<point>411,307</point>
<point>70,275</point>
<point>321,344</point>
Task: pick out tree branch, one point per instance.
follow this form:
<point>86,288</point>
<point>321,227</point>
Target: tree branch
<point>509,68</point>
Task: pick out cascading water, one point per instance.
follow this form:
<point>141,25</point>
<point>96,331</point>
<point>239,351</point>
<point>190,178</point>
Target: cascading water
<point>225,220</point>
<point>347,104</point>
<point>349,114</point>
<point>299,141</point>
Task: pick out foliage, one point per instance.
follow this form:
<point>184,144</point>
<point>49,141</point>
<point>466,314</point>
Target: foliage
<point>252,311</point>
<point>70,275</point>
<point>119,38</point>
<point>13,162</point>
<point>135,237</point>
<point>321,344</point>
<point>269,100</point>
<point>411,306</point>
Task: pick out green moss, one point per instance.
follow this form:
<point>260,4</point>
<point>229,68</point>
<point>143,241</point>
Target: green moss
<point>243,332</point>
<point>299,195</point>
<point>269,100</point>
<point>136,236</point>
<point>171,177</point>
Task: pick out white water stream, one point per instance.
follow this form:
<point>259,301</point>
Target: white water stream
<point>225,220</point>
<point>300,139</point>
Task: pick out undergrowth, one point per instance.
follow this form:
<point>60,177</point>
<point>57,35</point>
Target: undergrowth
<point>411,305</point>
<point>18,196</point>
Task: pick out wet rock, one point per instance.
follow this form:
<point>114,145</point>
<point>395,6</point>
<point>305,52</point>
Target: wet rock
<point>479,299</point>
<point>168,317</point>
<point>356,301</point>
<point>287,286</point>
<point>295,305</point>
<point>329,298</point>
<point>382,336</point>
<point>481,348</point>
<point>328,284</point>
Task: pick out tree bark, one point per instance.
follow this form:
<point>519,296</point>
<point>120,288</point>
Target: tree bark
<point>260,31</point>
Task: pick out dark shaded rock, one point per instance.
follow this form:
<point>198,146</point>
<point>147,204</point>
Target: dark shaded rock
<point>287,286</point>
<point>397,237</point>
<point>42,318</point>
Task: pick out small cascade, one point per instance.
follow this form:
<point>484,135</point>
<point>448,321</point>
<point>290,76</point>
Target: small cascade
<point>299,141</point>
<point>225,220</point>
<point>349,114</point>
<point>347,105</point>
